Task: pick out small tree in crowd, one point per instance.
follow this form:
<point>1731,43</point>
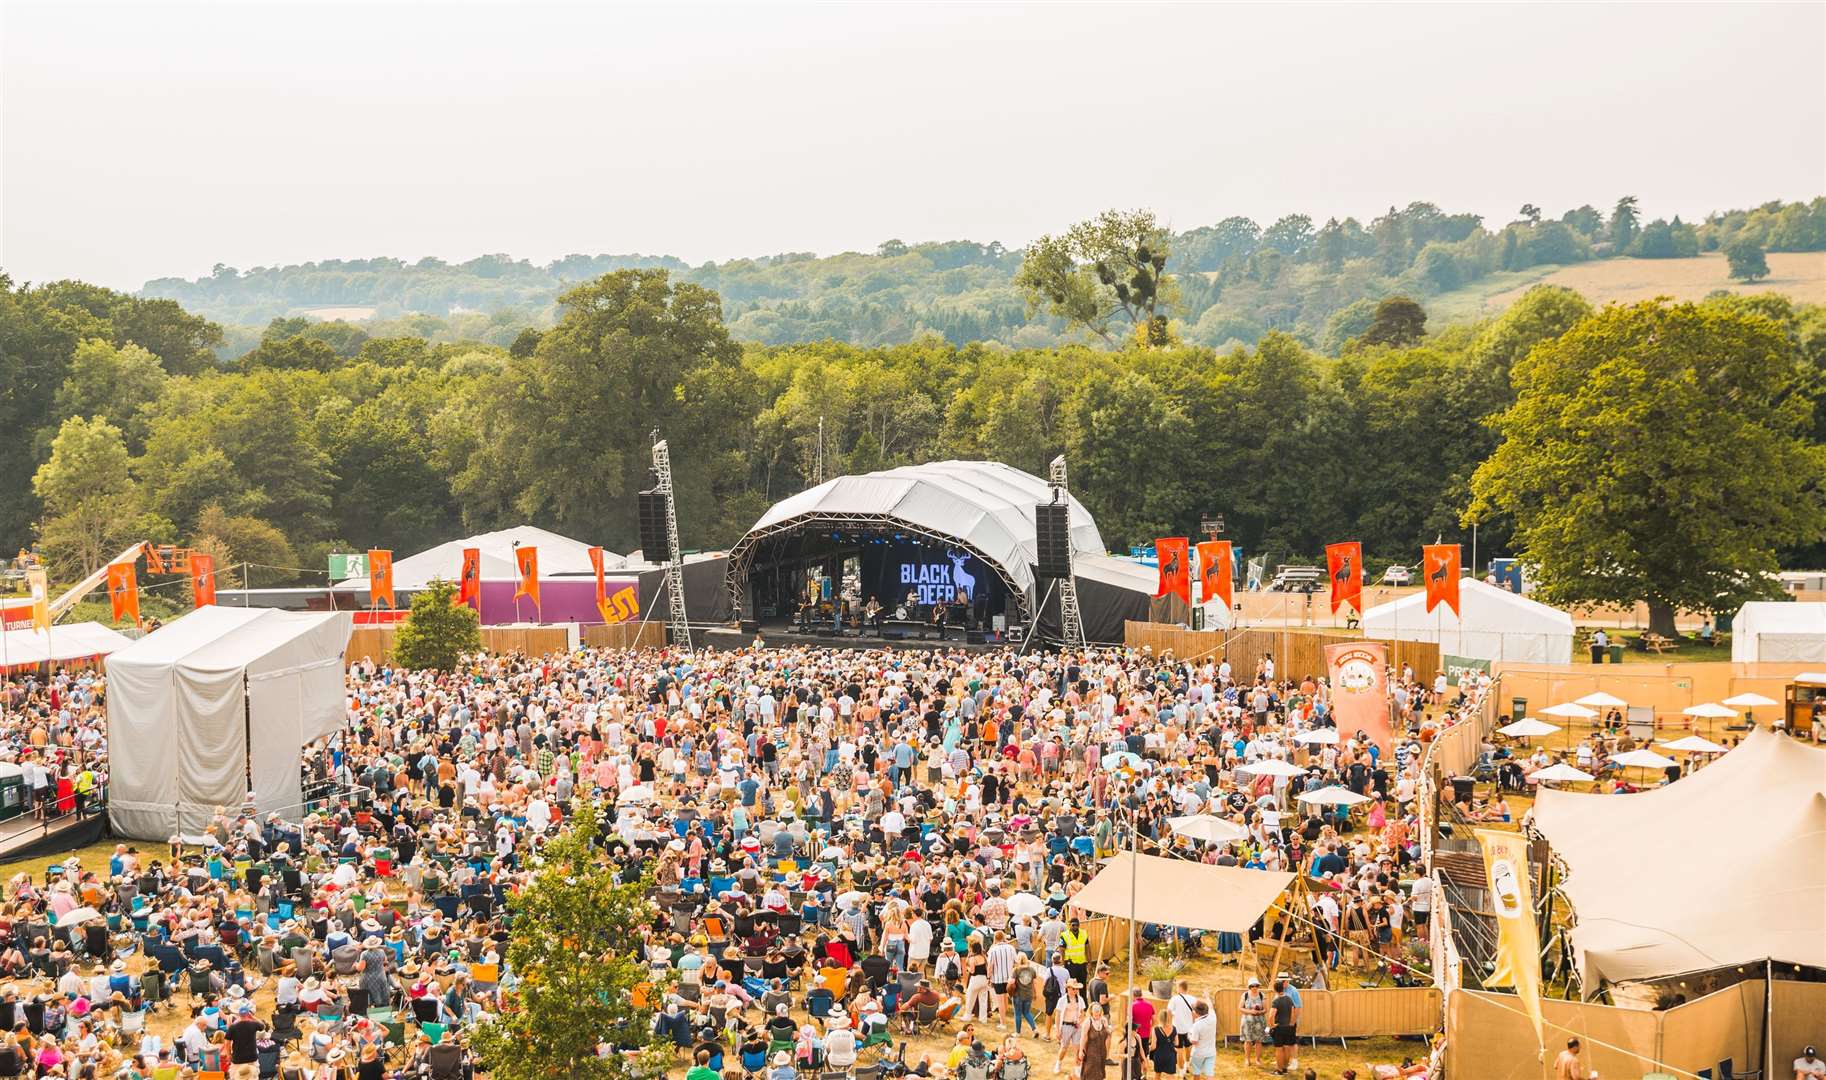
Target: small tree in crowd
<point>571,948</point>
<point>438,631</point>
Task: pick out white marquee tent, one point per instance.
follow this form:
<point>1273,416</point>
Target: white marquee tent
<point>559,556</point>
<point>71,641</point>
<point>198,703</point>
<point>1496,625</point>
<point>1779,630</point>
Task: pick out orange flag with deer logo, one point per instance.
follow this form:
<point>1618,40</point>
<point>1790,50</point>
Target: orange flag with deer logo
<point>203,578</point>
<point>469,580</point>
<point>123,591</point>
<point>1345,564</point>
<point>1214,569</point>
<point>1173,555</point>
<point>1440,562</point>
<point>527,559</point>
<point>380,578</point>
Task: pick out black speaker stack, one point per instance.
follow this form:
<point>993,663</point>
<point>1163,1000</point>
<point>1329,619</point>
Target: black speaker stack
<point>654,544</point>
<point>1052,533</point>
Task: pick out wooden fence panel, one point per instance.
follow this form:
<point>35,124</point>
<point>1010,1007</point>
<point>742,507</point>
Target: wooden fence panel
<point>1297,652</point>
<point>625,635</point>
<point>1346,1014</point>
<point>376,642</point>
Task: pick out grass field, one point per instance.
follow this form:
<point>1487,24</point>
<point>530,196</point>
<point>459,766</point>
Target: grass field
<point>1800,275</point>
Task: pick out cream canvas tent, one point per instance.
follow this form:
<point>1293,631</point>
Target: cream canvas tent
<point>75,641</point>
<point>1496,624</point>
<point>1779,631</point>
<point>1179,892</point>
<point>199,703</point>
<point>559,556</point>
<point>1727,866</point>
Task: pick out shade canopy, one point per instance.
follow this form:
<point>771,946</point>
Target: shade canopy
<point>1728,866</point>
<point>1569,710</point>
<point>1178,892</point>
<point>1779,631</point>
<point>1324,736</point>
<point>1749,701</point>
<point>1206,827</point>
<point>1333,796</point>
<point>1710,711</point>
<point>1528,727</point>
<point>1644,759</point>
<point>73,641</point>
<point>1496,624</point>
<point>1558,772</point>
<point>1272,767</point>
<point>202,703</point>
<point>1601,700</point>
<point>1694,744</point>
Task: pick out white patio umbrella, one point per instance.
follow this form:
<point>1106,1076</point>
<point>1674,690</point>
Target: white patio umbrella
<point>1325,735</point>
<point>1710,711</point>
<point>1333,796</point>
<point>1601,700</point>
<point>77,916</point>
<point>1025,903</point>
<point>639,793</point>
<point>1272,767</point>
<point>1694,744</point>
<point>1644,759</point>
<point>1570,710</point>
<point>1206,827</point>
<point>1749,703</point>
<point>1561,772</point>
<point>1527,728</point>
<point>1121,759</point>
<point>850,899</point>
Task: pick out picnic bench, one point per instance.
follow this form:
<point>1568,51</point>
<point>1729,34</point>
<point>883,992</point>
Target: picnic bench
<point>1656,643</point>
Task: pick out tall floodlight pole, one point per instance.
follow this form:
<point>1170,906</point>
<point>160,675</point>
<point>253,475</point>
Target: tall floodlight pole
<point>677,624</point>
<point>1071,622</point>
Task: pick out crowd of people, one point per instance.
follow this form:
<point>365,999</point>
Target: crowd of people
<point>850,846</point>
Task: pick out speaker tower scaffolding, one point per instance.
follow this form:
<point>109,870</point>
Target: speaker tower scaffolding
<point>1071,622</point>
<point>678,626</point>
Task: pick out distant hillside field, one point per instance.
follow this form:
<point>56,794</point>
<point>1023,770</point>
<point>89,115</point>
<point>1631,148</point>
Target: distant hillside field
<point>1799,275</point>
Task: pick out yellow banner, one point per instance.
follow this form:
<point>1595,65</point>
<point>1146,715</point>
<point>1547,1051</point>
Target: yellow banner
<point>41,597</point>
<point>1518,945</point>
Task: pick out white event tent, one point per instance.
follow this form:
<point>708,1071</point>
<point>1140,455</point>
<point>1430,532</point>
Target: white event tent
<point>1782,631</point>
<point>559,556</point>
<point>1496,624</point>
<point>198,704</point>
<point>72,641</point>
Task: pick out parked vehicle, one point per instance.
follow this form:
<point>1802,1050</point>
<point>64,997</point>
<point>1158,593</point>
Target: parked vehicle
<point>1397,575</point>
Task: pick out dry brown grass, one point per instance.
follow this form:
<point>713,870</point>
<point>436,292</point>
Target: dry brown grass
<point>1798,275</point>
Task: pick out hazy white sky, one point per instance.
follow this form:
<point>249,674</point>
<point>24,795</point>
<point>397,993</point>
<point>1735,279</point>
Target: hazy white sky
<point>145,139</point>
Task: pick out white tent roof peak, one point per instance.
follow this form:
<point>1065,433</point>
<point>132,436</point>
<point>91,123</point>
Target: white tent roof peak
<point>985,504</point>
<point>558,556</point>
<point>1496,624</point>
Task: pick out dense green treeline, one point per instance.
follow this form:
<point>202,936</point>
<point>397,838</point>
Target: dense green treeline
<point>323,438</point>
<point>1238,280</point>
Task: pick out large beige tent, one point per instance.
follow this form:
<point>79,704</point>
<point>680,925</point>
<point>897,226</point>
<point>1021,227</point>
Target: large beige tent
<point>1726,866</point>
<point>1178,892</point>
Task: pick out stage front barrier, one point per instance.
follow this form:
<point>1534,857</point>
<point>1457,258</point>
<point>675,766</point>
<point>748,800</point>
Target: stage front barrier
<point>1488,1034</point>
<point>626,635</point>
<point>1665,687</point>
<point>1297,653</point>
<point>376,642</point>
